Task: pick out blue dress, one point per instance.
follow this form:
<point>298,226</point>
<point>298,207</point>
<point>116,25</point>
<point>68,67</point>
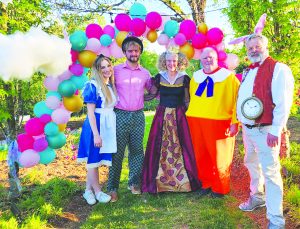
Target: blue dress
<point>106,124</point>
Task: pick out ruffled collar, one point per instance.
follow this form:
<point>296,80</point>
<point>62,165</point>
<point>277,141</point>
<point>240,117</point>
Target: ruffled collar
<point>164,74</point>
<point>218,76</point>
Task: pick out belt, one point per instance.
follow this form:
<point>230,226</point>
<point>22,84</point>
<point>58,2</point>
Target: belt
<point>256,125</point>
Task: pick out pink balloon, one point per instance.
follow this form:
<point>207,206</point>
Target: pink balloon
<point>51,83</point>
<point>122,22</point>
<point>93,31</point>
<point>53,102</point>
<point>76,92</point>
<point>146,32</point>
<point>222,64</point>
<point>180,39</point>
<point>76,69</point>
<point>29,158</point>
<point>93,45</point>
<point>188,28</point>
<point>40,144</point>
<point>65,75</point>
<point>199,41</point>
<point>105,50</point>
<point>115,50</point>
<point>197,54</point>
<point>25,141</point>
<point>163,39</point>
<point>171,43</point>
<point>60,116</point>
<point>232,61</point>
<point>222,55</point>
<point>137,27</point>
<point>74,55</point>
<point>239,76</point>
<point>214,36</point>
<point>45,118</point>
<point>153,20</point>
<point>109,30</point>
<point>34,127</point>
<point>220,46</point>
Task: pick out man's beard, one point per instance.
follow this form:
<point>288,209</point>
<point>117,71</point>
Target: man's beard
<point>133,59</point>
<point>255,59</point>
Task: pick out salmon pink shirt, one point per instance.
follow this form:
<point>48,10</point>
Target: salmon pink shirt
<point>131,84</point>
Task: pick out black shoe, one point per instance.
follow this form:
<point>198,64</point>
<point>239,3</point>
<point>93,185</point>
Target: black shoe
<point>203,192</point>
<point>217,195</point>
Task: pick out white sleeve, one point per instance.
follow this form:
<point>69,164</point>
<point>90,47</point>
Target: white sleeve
<point>282,94</point>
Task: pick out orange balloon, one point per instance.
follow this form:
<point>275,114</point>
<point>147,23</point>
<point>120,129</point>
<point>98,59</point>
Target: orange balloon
<point>86,58</point>
<point>152,36</point>
<point>62,127</point>
<point>188,50</point>
<point>120,37</point>
<point>202,28</point>
<point>73,103</point>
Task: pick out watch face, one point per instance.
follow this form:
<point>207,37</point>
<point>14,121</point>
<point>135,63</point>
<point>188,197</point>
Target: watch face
<point>252,108</point>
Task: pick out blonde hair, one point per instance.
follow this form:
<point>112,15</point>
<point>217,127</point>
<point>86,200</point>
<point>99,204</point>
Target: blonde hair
<point>98,77</point>
<point>182,61</point>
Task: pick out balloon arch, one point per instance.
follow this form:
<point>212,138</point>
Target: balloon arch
<point>45,132</point>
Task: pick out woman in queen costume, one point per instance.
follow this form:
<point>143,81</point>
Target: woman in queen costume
<point>98,136</point>
<point>169,164</point>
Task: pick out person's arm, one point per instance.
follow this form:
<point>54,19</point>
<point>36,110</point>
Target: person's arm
<point>234,127</point>
<point>92,120</point>
<point>282,94</point>
<point>186,98</point>
<point>152,89</point>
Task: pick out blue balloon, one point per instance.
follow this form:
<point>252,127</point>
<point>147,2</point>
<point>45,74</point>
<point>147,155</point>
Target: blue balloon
<point>53,93</point>
<point>138,10</point>
<point>67,88</point>
<point>40,108</point>
<point>47,156</point>
<point>56,141</point>
<point>51,129</point>
<point>171,28</point>
<point>78,40</point>
<point>105,40</point>
<point>79,81</point>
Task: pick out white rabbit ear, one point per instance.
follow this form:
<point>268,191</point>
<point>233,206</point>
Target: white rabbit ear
<point>238,40</point>
<point>260,24</point>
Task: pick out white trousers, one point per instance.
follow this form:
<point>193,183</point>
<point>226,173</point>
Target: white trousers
<point>263,165</point>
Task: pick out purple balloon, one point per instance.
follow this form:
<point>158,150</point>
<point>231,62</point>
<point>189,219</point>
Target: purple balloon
<point>45,118</point>
<point>109,30</point>
<point>29,158</point>
<point>40,144</point>
<point>76,69</point>
<point>51,83</point>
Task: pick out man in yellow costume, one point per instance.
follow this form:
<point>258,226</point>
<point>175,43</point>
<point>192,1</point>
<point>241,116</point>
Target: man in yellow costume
<point>213,124</point>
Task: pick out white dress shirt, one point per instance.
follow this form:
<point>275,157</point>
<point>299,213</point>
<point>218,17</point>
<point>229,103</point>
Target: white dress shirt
<point>282,94</point>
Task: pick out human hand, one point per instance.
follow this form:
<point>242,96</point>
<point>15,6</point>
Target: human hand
<point>272,140</point>
<point>232,130</point>
<point>97,141</point>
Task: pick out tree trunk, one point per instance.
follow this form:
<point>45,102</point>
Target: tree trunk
<point>197,7</point>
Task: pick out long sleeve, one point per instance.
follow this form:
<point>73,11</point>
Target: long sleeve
<point>186,84</point>
<point>153,89</point>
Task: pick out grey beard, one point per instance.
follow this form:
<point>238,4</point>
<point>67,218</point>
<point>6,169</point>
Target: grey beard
<point>256,58</point>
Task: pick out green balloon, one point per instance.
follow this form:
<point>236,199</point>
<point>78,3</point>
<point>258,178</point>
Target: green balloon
<point>41,108</point>
<point>56,141</point>
<point>78,40</point>
<point>67,88</point>
<point>79,81</point>
<point>47,156</point>
<point>51,129</point>
<point>171,28</point>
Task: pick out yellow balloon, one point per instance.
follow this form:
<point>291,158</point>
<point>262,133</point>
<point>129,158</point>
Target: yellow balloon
<point>73,103</point>
<point>62,127</point>
<point>188,50</point>
<point>120,37</point>
<point>152,36</point>
<point>86,58</point>
<point>202,28</point>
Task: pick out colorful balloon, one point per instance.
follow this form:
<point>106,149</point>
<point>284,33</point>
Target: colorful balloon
<point>199,41</point>
<point>188,28</point>
<point>56,141</point>
<point>78,40</point>
<point>74,55</point>
<point>41,108</point>
<point>180,39</point>
<point>67,88</point>
<point>93,45</point>
<point>122,22</point>
<point>109,30</point>
<point>115,50</point>
<point>79,81</point>
<point>51,83</point>
<point>52,102</point>
<point>60,116</point>
<point>76,69</point>
<point>25,141</point>
<point>45,118</point>
<point>47,156</point>
<point>153,20</point>
<point>40,144</point>
<point>232,61</point>
<point>152,36</point>
<point>222,55</point>
<point>86,58</point>
<point>138,10</point>
<point>171,28</point>
<point>188,50</point>
<point>51,129</point>
<point>105,40</point>
<point>202,28</point>
<point>120,37</point>
<point>137,27</point>
<point>73,103</point>
<point>163,39</point>
<point>214,36</point>
<point>34,127</point>
<point>29,158</point>
<point>94,31</point>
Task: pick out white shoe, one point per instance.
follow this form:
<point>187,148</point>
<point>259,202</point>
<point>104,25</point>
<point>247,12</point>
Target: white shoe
<point>103,197</point>
<point>89,196</point>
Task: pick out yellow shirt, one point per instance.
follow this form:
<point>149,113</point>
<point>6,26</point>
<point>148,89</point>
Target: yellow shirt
<point>222,105</point>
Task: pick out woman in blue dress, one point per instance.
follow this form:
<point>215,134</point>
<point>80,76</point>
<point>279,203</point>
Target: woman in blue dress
<point>98,136</point>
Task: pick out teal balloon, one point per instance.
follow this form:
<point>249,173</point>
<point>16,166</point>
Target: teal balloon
<point>67,88</point>
<point>79,81</point>
<point>47,156</point>
<point>51,129</point>
<point>171,28</point>
<point>56,141</point>
<point>53,93</point>
<point>105,40</point>
<point>40,108</point>
<point>138,10</point>
<point>1,147</point>
<point>78,40</point>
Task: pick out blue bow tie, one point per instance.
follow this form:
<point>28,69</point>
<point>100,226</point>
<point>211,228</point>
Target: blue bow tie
<point>210,87</point>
